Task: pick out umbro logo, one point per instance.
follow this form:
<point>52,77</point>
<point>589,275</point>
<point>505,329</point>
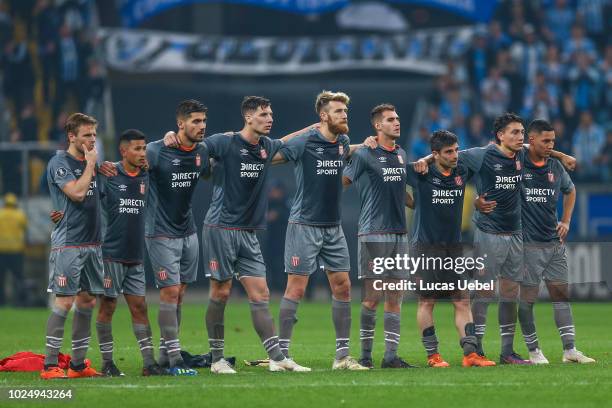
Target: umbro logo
<point>498,167</point>
<point>244,152</point>
<point>122,187</point>
<point>176,162</point>
<point>528,176</point>
<point>320,150</point>
<point>382,159</point>
<point>435,180</point>
<point>78,172</point>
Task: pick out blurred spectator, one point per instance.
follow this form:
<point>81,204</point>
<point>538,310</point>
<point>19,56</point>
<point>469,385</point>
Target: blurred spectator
<point>13,227</point>
<point>47,22</point>
<point>605,68</point>
<point>589,141</point>
<point>563,139</point>
<point>453,106</point>
<point>11,166</point>
<point>497,39</point>
<point>57,133</point>
<point>569,112</point>
<point>18,73</point>
<point>478,59</point>
<point>605,158</point>
<point>28,124</point>
<point>592,15</point>
<point>578,44</point>
<point>477,134</point>
<point>553,68</point>
<point>69,69</point>
<point>583,82</point>
<point>541,99</point>
<point>529,54</point>
<point>420,147</point>
<point>559,19</point>
<point>433,121</point>
<point>495,94</point>
<point>6,25</point>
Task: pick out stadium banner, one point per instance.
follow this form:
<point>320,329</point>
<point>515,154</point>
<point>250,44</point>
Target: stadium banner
<point>141,51</point>
<point>135,12</point>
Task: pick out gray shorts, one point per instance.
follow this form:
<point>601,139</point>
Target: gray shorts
<point>231,252</point>
<point>307,245</point>
<point>373,246</point>
<point>75,269</point>
<point>174,260</point>
<point>128,279</point>
<point>502,256</point>
<point>546,261</point>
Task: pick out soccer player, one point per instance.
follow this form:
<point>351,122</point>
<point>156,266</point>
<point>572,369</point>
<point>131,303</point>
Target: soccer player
<point>170,232</point>
<point>75,262</point>
<point>438,197</point>
<point>498,235</point>
<point>314,231</point>
<point>123,205</point>
<point>380,178</point>
<point>544,180</point>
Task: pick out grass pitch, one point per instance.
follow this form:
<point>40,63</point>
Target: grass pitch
<point>556,385</point>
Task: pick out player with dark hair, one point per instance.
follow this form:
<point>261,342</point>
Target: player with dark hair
<point>544,180</point>
<point>438,197</point>
<point>75,261</point>
<point>380,178</point>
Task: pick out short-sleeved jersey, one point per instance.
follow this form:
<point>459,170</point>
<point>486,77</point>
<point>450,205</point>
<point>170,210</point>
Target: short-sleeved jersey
<point>239,177</point>
<point>123,208</point>
<point>499,176</point>
<point>380,178</point>
<point>81,223</point>
<point>541,188</point>
<point>318,173</point>
<point>173,176</point>
<point>438,204</point>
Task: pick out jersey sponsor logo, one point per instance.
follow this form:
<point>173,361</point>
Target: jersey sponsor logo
<point>551,177</point>
<point>176,162</point>
<point>61,172</point>
<point>61,281</point>
<point>181,180</point>
<point>400,159</point>
<point>518,165</point>
<point>251,170</point>
<point>507,182</point>
<point>295,261</point>
<point>122,187</point>
<point>130,205</point>
<point>198,160</point>
<point>263,153</point>
<point>538,195</point>
<point>213,264</point>
<point>108,282</point>
<point>393,173</point>
<point>162,274</point>
<point>445,197</point>
<point>458,181</point>
<point>328,167</point>
<point>320,150</point>
<point>340,150</point>
<point>244,152</point>
<point>142,187</point>
<point>498,167</point>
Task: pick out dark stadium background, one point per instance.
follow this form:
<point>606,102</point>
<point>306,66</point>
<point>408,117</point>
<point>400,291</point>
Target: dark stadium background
<point>421,56</point>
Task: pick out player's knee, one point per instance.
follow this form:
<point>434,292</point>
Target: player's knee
<point>64,302</point>
<point>295,292</point>
<point>220,293</point>
<point>370,304</point>
<point>342,290</point>
<point>426,305</point>
<point>86,301</point>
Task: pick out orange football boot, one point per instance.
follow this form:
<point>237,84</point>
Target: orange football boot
<point>436,360</point>
<point>476,360</point>
<point>52,373</point>
<point>86,372</point>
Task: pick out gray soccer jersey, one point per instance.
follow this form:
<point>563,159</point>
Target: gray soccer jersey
<point>239,179</point>
<point>380,178</point>
<point>173,176</point>
<point>318,172</point>
<point>81,223</point>
<point>541,188</point>
<point>123,206</point>
<point>500,177</point>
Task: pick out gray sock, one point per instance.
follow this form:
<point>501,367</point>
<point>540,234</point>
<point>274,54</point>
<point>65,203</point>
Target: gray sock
<point>55,335</point>
<point>527,320</point>
<point>105,340</point>
<point>264,326</point>
<point>507,325</point>
<point>565,324</point>
<point>178,317</point>
<point>163,353</point>
<point>366,331</point>
<point>169,331</point>
<point>469,343</point>
<point>81,334</point>
<point>216,330</point>
<point>430,341</point>
<point>286,321</point>
<point>341,315</point>
<point>480,306</point>
<point>392,335</point>
<point>145,342</point>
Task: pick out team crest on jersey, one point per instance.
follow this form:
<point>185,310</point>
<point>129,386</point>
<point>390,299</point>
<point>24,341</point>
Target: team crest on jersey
<point>295,261</point>
<point>198,160</point>
<point>213,264</point>
<point>518,165</point>
<point>108,283</point>
<point>142,187</point>
<point>340,150</point>
<point>551,177</point>
<point>61,281</point>
<point>458,181</point>
<point>61,172</point>
<point>400,159</point>
<point>263,153</point>
<point>162,274</point>
<point>122,187</point>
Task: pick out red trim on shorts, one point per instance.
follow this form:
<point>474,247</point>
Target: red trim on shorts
<point>76,246</point>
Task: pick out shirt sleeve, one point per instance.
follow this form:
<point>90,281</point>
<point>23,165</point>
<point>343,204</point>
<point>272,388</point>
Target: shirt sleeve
<point>275,146</point>
<point>152,151</point>
<point>355,166</point>
<point>293,149</point>
<point>411,175</point>
<point>217,144</point>
<point>566,181</point>
<point>60,172</point>
<point>473,158</point>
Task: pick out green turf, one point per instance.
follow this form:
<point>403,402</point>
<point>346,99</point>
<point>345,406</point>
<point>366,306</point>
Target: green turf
<point>557,385</point>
